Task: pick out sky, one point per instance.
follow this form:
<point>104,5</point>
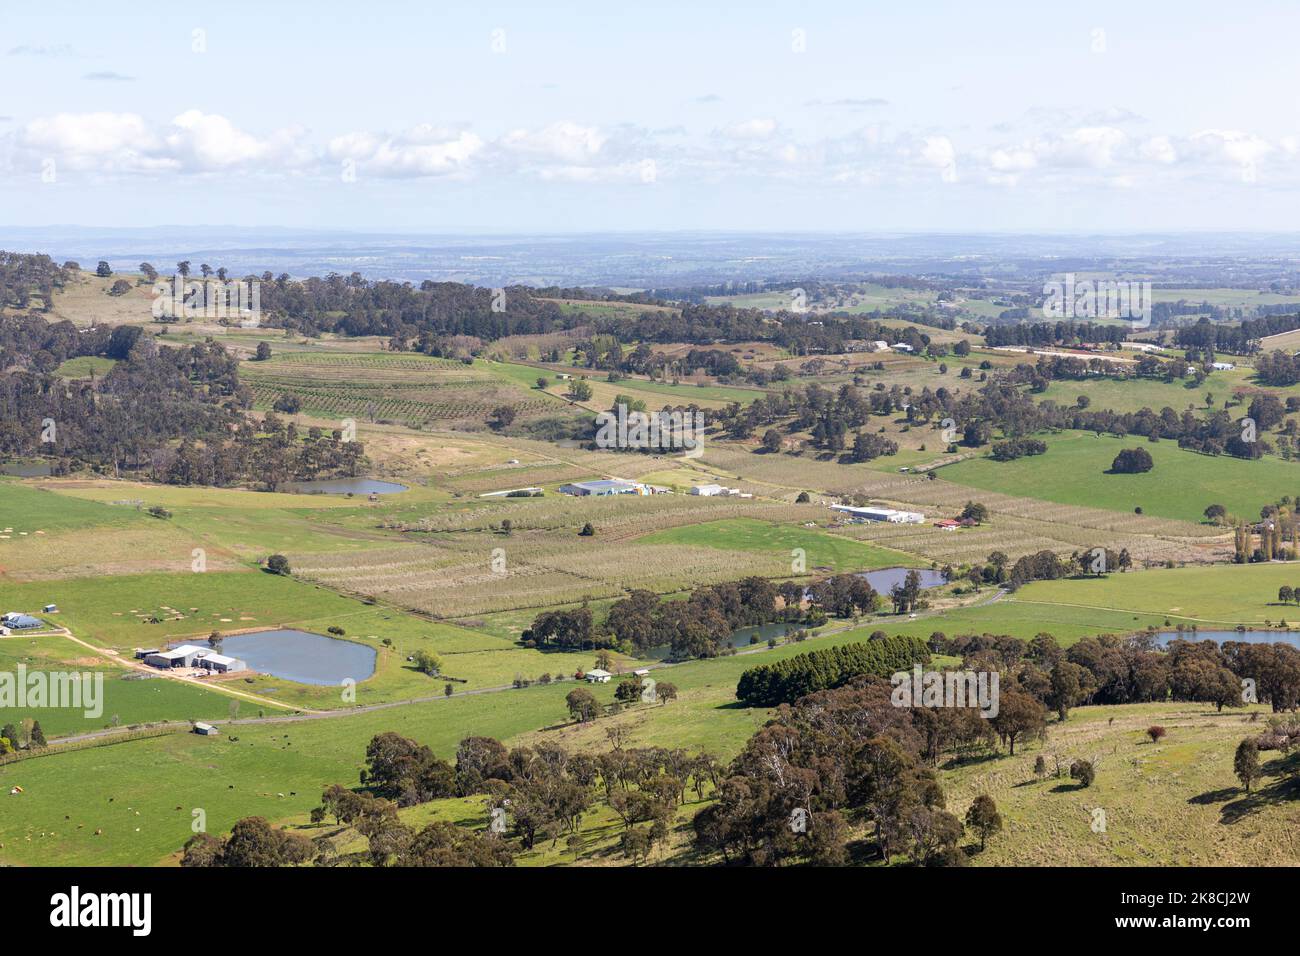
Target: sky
<point>540,117</point>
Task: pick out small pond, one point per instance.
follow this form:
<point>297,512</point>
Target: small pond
<point>884,580</point>
<point>344,486</point>
<point>1244,637</point>
<point>301,656</point>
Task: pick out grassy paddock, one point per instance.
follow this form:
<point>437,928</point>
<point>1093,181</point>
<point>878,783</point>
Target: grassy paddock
<point>1181,485</point>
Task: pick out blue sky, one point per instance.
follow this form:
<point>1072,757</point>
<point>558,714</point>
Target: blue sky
<point>541,116</point>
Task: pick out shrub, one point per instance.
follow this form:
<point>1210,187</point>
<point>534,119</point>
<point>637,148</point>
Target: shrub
<point>1084,772</point>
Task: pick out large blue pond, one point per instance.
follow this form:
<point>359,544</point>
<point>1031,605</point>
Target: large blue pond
<point>1244,637</point>
<point>884,580</point>
<point>301,656</point>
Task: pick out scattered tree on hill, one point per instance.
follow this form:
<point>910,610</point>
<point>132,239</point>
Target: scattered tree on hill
<point>1084,772</point>
<point>1156,732</point>
<point>405,771</point>
<point>263,351</point>
<point>1020,716</point>
<point>278,564</point>
<point>1067,687</point>
<point>1132,461</point>
<point>1245,763</point>
<point>983,817</point>
<point>582,705</point>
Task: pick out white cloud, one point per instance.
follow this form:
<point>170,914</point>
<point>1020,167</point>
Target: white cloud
<point>1229,147</point>
<point>194,142</point>
<point>750,129</point>
<point>564,141</point>
<point>205,141</point>
<point>421,151</point>
<point>1158,149</point>
<point>1015,159</point>
<point>106,142</point>
<point>938,151</point>
<point>1092,146</point>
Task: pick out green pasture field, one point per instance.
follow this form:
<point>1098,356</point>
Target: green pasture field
<point>1181,485</point>
<point>1131,395</point>
<point>84,366</point>
<point>654,394</point>
<point>1211,596</point>
<point>25,507</point>
<point>1175,803</point>
<point>124,702</point>
<point>747,534</point>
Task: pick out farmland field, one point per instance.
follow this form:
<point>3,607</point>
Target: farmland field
<point>823,551</point>
<point>406,388</point>
<point>1182,484</point>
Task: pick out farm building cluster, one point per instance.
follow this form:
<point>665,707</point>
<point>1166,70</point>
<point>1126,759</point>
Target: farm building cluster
<point>608,486</point>
<point>718,491</point>
<point>191,656</point>
<point>892,515</point>
<point>17,621</point>
<point>605,487</point>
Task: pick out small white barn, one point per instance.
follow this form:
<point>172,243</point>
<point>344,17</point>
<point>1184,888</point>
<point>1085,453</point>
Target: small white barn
<point>707,490</point>
<point>207,730</point>
<point>598,676</point>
